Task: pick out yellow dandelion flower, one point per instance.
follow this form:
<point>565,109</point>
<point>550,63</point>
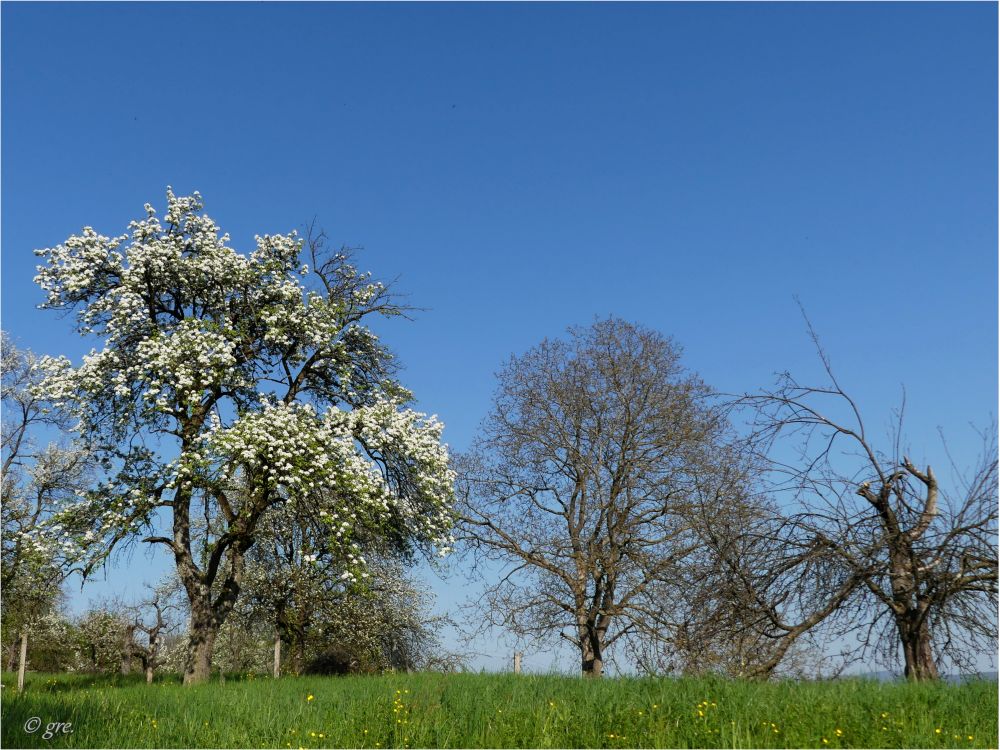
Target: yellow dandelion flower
<point>838,732</point>
<point>309,697</point>
<point>885,715</point>
<point>937,731</point>
<point>826,741</point>
<point>969,738</point>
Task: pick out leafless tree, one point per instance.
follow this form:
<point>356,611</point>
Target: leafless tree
<point>154,617</point>
<point>584,484</point>
<point>870,537</point>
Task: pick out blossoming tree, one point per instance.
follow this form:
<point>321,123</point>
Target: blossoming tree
<point>229,384</point>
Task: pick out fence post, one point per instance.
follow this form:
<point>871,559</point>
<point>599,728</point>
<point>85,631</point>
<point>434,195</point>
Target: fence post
<point>277,655</point>
<point>517,661</point>
<point>24,659</point>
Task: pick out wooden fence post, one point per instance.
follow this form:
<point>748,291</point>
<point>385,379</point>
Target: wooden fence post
<point>517,661</point>
<point>277,656</point>
<point>24,660</point>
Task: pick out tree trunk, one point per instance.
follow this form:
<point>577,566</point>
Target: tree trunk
<point>592,656</point>
<point>201,644</point>
<point>918,656</point>
<point>277,655</point>
<point>23,663</point>
<point>300,654</point>
<point>593,666</point>
<point>591,642</point>
<point>128,649</point>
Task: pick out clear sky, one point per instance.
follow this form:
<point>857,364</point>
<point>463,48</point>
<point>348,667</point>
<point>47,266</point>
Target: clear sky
<point>521,168</point>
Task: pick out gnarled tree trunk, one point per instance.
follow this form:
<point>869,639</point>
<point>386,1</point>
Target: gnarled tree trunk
<point>201,644</point>
<point>591,650</point>
<point>918,655</point>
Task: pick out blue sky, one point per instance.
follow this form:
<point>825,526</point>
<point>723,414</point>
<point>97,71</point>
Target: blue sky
<point>522,168</point>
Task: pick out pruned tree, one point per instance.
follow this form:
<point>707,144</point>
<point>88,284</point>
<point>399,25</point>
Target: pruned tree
<point>906,561</point>
<point>228,384</point>
<point>154,617</point>
<point>584,487</point>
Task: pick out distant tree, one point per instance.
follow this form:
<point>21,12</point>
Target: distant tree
<point>228,384</point>
<point>907,562</point>
<point>101,634</point>
<point>295,580</point>
<point>298,584</point>
<point>151,620</point>
<point>388,625</point>
<point>585,486</point>
<point>37,480</point>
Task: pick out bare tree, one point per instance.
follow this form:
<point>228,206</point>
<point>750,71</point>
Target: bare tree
<point>583,486</point>
<point>906,562</point>
<point>154,617</point>
<point>770,594</point>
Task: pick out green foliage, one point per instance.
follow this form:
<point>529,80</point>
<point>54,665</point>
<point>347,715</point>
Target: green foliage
<point>469,710</point>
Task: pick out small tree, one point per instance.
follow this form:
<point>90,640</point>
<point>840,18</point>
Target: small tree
<point>584,486</point>
<point>914,565</point>
<point>229,384</point>
<point>154,617</point>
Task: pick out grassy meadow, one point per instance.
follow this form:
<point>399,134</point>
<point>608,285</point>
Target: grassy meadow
<point>480,710</point>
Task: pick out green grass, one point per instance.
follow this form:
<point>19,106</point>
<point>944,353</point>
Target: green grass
<point>469,710</point>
